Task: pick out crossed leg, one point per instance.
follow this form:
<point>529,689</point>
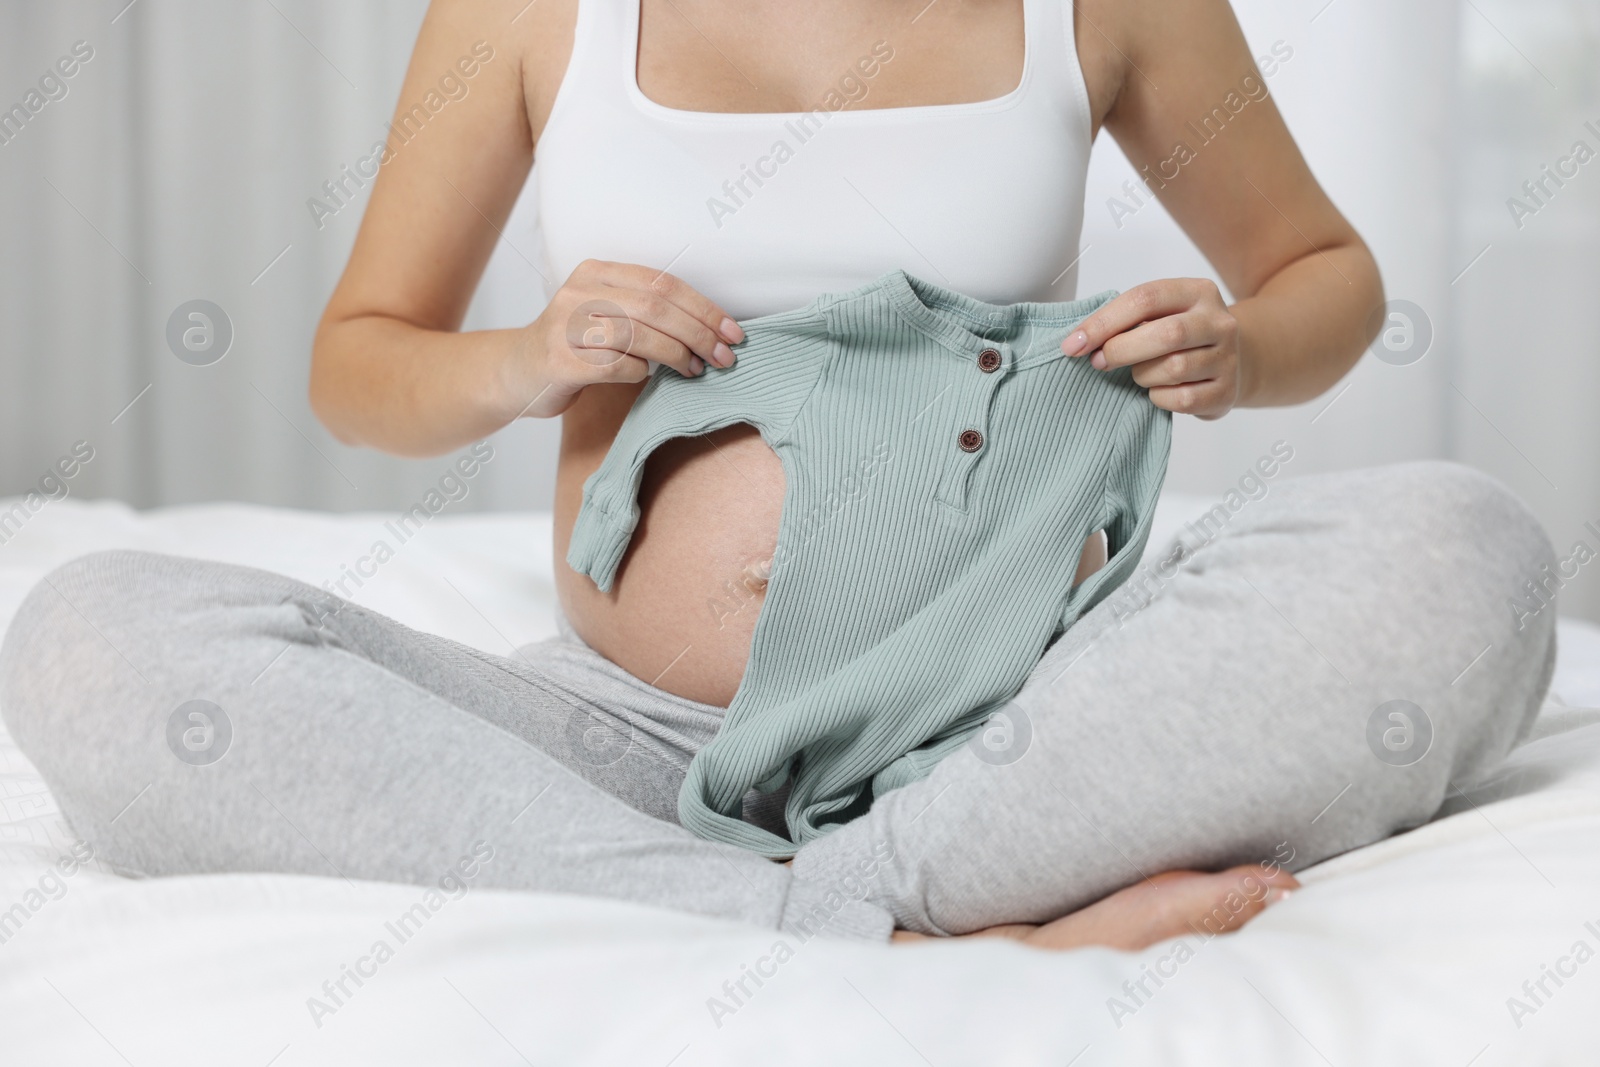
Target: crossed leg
<point>1232,706</point>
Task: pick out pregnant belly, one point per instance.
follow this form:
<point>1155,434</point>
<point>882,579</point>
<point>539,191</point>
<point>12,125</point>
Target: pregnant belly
<point>684,604</point>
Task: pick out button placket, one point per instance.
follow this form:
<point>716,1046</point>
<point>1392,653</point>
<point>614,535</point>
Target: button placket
<point>968,428</point>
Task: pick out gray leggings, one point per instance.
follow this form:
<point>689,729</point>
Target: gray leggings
<point>1229,704</point>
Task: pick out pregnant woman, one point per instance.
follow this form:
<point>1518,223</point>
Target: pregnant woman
<point>1171,757</point>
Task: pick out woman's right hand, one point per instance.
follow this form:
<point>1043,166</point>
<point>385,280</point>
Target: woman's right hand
<point>391,367</point>
<point>607,323</point>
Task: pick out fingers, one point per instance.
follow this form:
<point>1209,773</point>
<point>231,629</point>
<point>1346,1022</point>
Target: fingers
<point>611,323</point>
<point>668,287</point>
<point>1204,400</point>
<point>1175,368</point>
<point>1142,303</point>
<point>611,341</point>
<point>1179,338</point>
<point>1159,337</point>
<point>1194,381</point>
<point>654,314</point>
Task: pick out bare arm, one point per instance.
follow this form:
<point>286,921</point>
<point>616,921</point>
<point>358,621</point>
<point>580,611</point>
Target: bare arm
<point>1304,283</point>
<point>389,368</point>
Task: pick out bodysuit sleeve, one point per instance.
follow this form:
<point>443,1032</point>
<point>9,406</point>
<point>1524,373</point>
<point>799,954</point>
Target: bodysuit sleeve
<point>1142,442</point>
<point>777,366</point>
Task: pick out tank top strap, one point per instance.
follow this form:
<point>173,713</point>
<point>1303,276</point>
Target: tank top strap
<point>601,58</point>
<point>1053,59</point>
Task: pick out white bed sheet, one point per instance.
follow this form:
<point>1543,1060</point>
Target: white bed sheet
<point>1403,952</point>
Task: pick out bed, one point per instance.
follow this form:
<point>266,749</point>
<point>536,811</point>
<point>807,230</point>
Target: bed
<point>1472,940</point>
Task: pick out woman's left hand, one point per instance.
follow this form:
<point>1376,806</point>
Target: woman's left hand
<point>1178,336</point>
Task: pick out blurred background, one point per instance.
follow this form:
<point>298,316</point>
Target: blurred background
<point>176,164</point>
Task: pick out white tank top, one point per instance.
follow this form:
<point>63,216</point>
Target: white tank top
<point>763,212</point>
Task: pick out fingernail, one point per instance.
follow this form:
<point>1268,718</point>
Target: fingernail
<point>696,365</point>
<point>731,331</point>
<point>1277,893</point>
<point>1098,360</point>
<point>1075,343</point>
<point>722,355</point>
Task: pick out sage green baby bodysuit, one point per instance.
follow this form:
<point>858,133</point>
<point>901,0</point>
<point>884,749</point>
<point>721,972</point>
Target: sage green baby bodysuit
<point>945,464</point>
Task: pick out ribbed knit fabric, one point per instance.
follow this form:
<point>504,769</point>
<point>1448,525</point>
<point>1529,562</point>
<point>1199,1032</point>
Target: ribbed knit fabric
<point>945,464</point>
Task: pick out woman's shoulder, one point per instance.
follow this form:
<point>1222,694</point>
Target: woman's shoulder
<point>1129,51</point>
<point>534,37</point>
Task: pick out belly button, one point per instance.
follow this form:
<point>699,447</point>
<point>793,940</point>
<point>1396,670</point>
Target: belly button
<point>757,574</point>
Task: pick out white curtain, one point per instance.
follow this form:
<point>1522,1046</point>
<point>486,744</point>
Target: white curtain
<point>177,167</point>
<point>178,164</point>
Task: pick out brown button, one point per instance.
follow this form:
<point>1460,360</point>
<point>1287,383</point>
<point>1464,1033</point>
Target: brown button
<point>988,361</point>
<point>970,440</point>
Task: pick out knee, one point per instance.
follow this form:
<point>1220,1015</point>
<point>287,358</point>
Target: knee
<point>92,586</point>
<point>1481,565</point>
<point>1456,507</point>
<point>1448,529</point>
<point>142,593</point>
<point>91,597</point>
<point>58,623</point>
<point>98,627</point>
<point>116,576</point>
<point>76,587</point>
